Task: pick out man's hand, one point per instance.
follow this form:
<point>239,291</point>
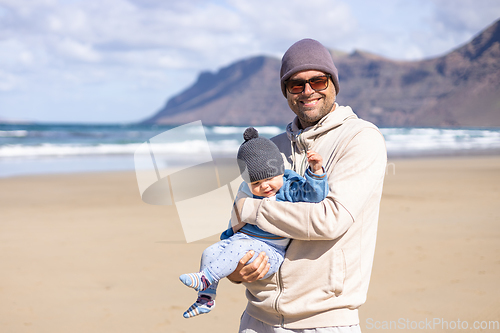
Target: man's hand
<point>252,272</point>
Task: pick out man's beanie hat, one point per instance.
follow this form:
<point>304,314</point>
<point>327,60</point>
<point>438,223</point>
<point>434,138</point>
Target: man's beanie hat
<point>259,158</point>
<point>307,54</point>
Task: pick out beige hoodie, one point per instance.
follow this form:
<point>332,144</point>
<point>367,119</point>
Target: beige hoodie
<point>326,272</point>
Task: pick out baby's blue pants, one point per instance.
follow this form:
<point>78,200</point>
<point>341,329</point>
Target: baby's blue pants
<point>221,258</point>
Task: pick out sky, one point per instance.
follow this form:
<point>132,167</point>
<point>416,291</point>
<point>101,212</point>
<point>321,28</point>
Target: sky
<point>119,61</point>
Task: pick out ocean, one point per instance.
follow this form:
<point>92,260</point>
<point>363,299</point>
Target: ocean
<point>27,149</point>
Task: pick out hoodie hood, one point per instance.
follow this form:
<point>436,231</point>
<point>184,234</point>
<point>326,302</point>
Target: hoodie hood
<point>332,120</point>
<point>302,140</point>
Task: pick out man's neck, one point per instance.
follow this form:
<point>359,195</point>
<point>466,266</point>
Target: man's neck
<point>304,125</point>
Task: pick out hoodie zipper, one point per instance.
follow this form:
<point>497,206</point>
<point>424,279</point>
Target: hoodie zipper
<point>301,170</point>
<point>276,300</point>
<point>303,163</point>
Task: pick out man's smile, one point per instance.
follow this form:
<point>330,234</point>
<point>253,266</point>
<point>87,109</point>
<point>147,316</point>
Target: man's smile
<point>310,102</point>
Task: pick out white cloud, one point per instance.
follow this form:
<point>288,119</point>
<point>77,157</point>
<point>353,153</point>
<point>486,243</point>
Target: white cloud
<point>275,25</point>
<point>455,23</point>
<point>466,16</point>
<point>8,81</point>
<point>155,48</point>
<point>77,50</point>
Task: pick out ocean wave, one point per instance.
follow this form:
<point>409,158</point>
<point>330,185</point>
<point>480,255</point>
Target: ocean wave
<point>64,150</point>
<point>238,130</point>
<point>432,139</point>
<point>192,147</point>
<point>14,134</point>
<point>50,148</point>
<point>225,140</point>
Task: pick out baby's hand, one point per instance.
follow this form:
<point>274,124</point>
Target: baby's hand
<point>315,162</point>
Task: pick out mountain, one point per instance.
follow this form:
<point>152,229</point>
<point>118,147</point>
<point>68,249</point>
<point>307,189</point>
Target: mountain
<point>459,89</point>
<point>242,93</point>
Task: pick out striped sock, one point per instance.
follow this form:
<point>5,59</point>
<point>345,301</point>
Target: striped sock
<point>204,304</point>
<point>197,281</point>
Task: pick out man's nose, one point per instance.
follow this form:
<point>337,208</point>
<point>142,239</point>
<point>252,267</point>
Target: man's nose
<point>308,89</point>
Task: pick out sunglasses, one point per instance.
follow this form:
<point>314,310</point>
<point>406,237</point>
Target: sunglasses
<point>316,83</point>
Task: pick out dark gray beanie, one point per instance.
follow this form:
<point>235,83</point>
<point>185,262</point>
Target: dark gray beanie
<point>259,158</point>
<point>307,54</point>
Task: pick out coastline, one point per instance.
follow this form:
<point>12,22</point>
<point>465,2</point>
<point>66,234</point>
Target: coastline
<point>76,148</point>
<point>81,252</point>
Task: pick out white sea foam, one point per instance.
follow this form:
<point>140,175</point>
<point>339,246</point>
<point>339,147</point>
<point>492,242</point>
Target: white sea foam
<point>61,150</point>
<point>263,130</point>
<point>47,149</point>
<point>397,140</point>
<point>13,134</point>
<point>418,140</point>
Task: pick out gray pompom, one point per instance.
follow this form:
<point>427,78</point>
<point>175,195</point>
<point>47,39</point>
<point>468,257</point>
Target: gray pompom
<point>250,133</point>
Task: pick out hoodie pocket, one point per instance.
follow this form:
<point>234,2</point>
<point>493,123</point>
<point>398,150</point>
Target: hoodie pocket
<point>337,275</point>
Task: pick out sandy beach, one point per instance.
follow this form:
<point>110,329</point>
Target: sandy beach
<point>83,253</point>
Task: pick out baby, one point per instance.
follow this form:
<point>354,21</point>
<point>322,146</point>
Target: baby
<point>262,168</point>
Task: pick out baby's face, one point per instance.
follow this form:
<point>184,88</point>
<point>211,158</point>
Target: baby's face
<point>267,187</point>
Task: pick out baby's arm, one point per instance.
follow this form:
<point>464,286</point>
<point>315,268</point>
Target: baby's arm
<point>313,186</point>
<point>315,162</point>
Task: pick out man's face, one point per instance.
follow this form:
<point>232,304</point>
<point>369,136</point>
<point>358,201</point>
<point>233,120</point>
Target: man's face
<point>310,105</point>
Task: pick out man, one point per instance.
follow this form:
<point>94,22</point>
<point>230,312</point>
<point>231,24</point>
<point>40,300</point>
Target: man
<point>325,275</point>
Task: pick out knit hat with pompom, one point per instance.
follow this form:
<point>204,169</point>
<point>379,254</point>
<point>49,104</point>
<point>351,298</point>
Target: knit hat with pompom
<point>259,158</point>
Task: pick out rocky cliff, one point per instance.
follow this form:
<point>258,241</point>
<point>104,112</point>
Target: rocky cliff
<point>459,89</point>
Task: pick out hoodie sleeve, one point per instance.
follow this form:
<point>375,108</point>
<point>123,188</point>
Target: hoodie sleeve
<point>354,180</point>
